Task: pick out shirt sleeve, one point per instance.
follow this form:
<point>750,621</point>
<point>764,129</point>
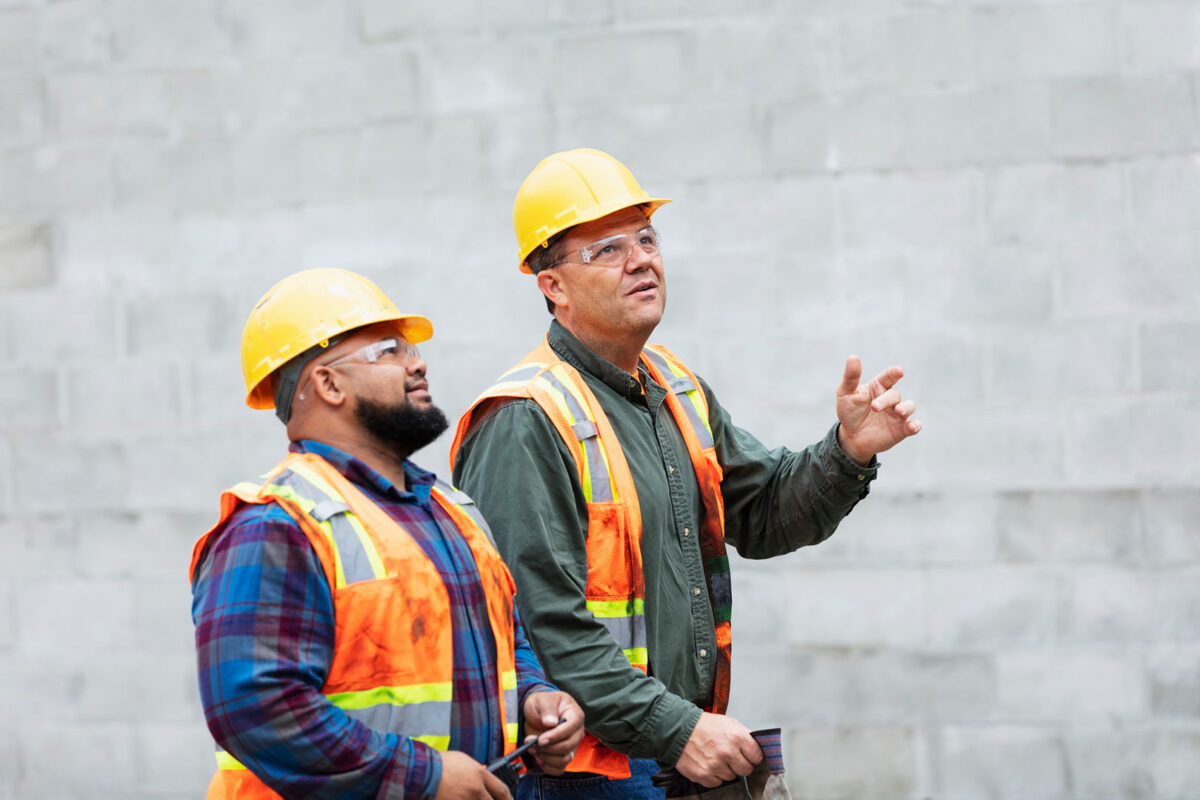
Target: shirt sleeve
<point>779,500</point>
<point>264,620</point>
<point>520,474</point>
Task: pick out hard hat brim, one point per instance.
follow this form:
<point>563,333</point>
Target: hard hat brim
<point>651,204</point>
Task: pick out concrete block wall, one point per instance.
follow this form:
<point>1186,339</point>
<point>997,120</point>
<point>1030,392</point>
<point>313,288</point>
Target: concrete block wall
<point>1004,197</point>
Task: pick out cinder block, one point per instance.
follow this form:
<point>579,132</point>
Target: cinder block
<point>215,393</point>
<point>191,174</point>
<point>163,609</point>
<point>1001,761</point>
<point>991,606</point>
<point>1094,359</point>
<point>123,398</point>
<point>18,40</point>
<point>1176,599</point>
<point>1005,284</point>
<point>317,166</point>
<point>1111,604</point>
<point>1044,40</point>
<point>74,35</point>
<point>88,332</point>
<point>1165,193</point>
<point>8,619</point>
<point>1160,37</point>
<point>55,178</point>
<point>140,546</point>
<point>1174,673</point>
<point>800,135</point>
<point>1050,526</point>
<point>852,762</point>
<point>1067,682</point>
<point>33,549</point>
<point>187,473</point>
<point>1101,449</point>
<point>290,29</point>
<point>159,682</point>
<point>191,33</point>
<point>1152,760</point>
<point>526,15</point>
<point>388,20</point>
<point>783,62</point>
<point>926,47</point>
<point>166,104</point>
<point>1166,453</point>
<point>174,758</point>
<point>96,471</point>
<point>466,76</point>
<point>181,325</point>
<point>1075,201</point>
<point>1094,280</point>
<point>926,528</point>
<point>1162,266</point>
<point>971,126</point>
<point>865,131</point>
<point>1163,357</point>
<point>28,399</point>
<point>23,108</point>
<point>586,67</point>
<point>130,249</point>
<point>76,619</point>
<point>911,208</point>
<point>1170,520</point>
<point>1099,118</point>
<point>25,251</point>
<point>783,686</point>
<point>898,687</point>
<point>103,758</point>
<point>825,607</point>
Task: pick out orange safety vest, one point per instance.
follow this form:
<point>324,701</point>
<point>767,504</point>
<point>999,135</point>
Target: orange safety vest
<point>615,591</point>
<point>392,658</point>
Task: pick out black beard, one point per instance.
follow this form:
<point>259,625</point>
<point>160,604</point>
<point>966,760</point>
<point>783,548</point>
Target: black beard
<point>404,427</point>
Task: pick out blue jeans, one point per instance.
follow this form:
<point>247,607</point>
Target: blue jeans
<point>636,787</point>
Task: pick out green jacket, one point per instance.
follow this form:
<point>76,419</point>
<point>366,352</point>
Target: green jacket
<point>522,477</point>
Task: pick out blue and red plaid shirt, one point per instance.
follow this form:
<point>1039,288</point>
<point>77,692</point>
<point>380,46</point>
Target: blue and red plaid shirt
<point>265,636</point>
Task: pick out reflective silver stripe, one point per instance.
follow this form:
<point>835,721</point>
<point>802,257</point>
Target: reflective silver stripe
<point>522,373</point>
<point>461,500</point>
<point>601,481</point>
<point>326,509</point>
<point>410,719</point>
<point>584,429</point>
<point>356,563</point>
<point>629,632</point>
<point>510,705</point>
<point>681,386</point>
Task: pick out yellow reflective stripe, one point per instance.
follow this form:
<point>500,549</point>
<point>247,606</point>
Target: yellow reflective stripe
<point>226,761</point>
<point>616,608</point>
<point>395,695</point>
<point>367,544</point>
<point>246,486</point>
<point>510,732</point>
<point>585,471</point>
<point>436,742</point>
<point>637,655</point>
<point>694,395</point>
<point>307,505</point>
<point>508,679</point>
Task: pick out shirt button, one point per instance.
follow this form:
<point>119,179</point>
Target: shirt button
<point>862,477</point>
<point>671,469</point>
<point>687,531</point>
<point>703,653</point>
<point>696,591</point>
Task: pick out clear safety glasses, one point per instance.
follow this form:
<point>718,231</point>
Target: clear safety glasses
<point>614,251</point>
<point>398,351</point>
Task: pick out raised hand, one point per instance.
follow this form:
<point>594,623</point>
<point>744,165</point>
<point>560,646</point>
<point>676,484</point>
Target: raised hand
<point>873,417</point>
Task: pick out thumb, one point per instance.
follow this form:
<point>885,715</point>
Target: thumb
<point>850,376</point>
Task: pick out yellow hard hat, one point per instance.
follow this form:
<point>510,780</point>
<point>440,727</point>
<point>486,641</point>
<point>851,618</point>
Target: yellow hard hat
<point>304,312</point>
<point>569,188</point>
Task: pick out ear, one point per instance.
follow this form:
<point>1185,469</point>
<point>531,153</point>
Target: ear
<point>551,285</point>
<point>329,386</point>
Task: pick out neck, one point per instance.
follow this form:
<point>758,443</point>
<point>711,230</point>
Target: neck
<point>387,461</point>
<point>623,351</point>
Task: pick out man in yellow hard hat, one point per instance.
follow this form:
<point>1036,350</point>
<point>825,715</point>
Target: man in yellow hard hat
<point>613,480</point>
<point>355,627</point>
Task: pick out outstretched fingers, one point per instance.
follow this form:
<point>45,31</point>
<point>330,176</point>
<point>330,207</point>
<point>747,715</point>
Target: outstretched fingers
<point>850,376</point>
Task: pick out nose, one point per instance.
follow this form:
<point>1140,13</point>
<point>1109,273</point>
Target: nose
<point>639,259</point>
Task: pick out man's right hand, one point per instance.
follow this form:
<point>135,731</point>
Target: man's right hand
<point>464,778</point>
<point>719,749</point>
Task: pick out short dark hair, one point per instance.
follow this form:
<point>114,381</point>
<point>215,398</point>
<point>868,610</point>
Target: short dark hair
<point>546,257</point>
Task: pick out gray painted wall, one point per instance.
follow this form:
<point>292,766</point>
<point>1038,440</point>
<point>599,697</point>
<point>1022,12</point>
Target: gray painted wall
<point>1004,197</point>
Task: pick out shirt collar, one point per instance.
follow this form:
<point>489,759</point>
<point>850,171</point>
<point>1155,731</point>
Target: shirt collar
<point>584,359</point>
<point>420,482</point>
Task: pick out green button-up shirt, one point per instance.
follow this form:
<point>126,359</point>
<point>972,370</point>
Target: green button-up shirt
<point>524,480</point>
